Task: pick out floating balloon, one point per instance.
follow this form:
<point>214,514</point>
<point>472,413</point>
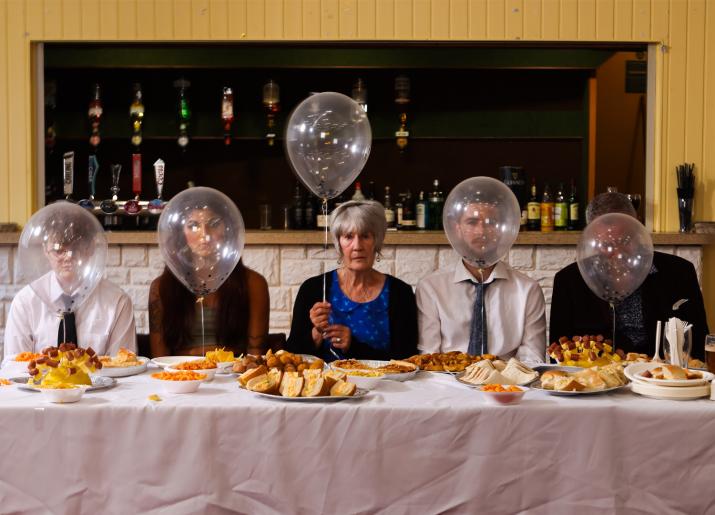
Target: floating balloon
<point>328,141</point>
<point>62,253</point>
<point>614,256</point>
<point>481,218</point>
<point>201,237</point>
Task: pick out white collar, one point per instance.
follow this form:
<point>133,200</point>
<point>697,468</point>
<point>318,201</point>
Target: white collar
<point>461,273</point>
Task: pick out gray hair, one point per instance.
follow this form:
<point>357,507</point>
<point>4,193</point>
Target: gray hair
<point>610,202</point>
<point>361,216</point>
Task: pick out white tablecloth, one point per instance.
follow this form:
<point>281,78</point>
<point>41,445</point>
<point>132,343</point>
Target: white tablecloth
<point>425,446</point>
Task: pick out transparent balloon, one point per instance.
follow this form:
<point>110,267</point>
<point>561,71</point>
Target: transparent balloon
<point>62,254</point>
<point>614,256</point>
<point>481,218</point>
<point>201,237</point>
<point>328,141</point>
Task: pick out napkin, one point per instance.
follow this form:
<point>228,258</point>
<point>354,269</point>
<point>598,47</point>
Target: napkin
<point>675,330</point>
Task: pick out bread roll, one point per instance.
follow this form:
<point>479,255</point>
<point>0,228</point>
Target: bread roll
<point>251,373</point>
<point>314,386</point>
<point>343,389</point>
<point>568,384</point>
<point>548,378</point>
<point>262,384</point>
<point>291,385</point>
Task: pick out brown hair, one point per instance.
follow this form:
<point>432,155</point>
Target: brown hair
<point>178,311</point>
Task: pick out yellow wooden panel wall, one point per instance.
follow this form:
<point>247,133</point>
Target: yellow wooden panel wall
<point>685,120</point>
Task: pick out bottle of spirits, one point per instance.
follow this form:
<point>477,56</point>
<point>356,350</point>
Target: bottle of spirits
<point>547,210</point>
<point>227,114</point>
<point>309,213</point>
<point>409,220</point>
<point>184,113</point>
<point>358,195</point>
<point>389,211</point>
<point>398,210</point>
<point>574,218</point>
<point>436,204</point>
<point>136,115</point>
<point>296,216</point>
<point>421,212</point>
<point>94,112</point>
<point>272,105</point>
<point>533,209</point>
<point>561,210</point>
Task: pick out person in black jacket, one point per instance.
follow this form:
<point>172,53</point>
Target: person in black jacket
<point>366,314</point>
<point>671,289</point>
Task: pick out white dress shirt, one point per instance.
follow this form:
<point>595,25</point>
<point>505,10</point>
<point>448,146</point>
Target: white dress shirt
<point>516,322</point>
<point>104,321</point>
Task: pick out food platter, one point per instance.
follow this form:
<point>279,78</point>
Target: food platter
<point>98,383</point>
<point>634,371</point>
<point>124,371</point>
<point>375,364</point>
<point>537,386</point>
<point>459,376</point>
<point>359,393</point>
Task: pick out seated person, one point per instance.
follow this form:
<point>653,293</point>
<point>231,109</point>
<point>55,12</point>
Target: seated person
<point>576,310</point>
<point>368,314</point>
<point>504,315</point>
<point>104,321</point>
<point>235,315</point>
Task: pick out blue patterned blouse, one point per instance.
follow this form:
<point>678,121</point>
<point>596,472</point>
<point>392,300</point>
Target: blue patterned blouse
<point>368,321</point>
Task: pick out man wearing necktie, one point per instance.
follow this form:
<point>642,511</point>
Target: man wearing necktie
<point>59,307</point>
<point>481,310</point>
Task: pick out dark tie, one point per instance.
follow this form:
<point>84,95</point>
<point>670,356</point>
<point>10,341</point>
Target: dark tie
<point>478,330</point>
<point>68,330</point>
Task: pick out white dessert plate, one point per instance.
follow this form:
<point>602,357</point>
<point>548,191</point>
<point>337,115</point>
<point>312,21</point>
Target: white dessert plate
<point>373,363</point>
<point>170,361</point>
<point>634,371</point>
<point>683,393</point>
<point>124,371</point>
<point>98,383</point>
<point>359,393</point>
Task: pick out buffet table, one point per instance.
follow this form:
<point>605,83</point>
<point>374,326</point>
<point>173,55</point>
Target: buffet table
<point>429,445</point>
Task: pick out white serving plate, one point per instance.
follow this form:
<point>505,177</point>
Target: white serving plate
<point>170,361</point>
<point>359,393</point>
<point>634,370</point>
<point>98,383</point>
<point>373,363</point>
<point>124,371</point>
<point>537,386</point>
<point>683,393</point>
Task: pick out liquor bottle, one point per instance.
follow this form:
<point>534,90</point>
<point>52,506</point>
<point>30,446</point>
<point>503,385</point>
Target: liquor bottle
<point>227,114</point>
<point>547,210</point>
<point>533,208</point>
<point>94,112</point>
<point>271,103</point>
<point>409,220</point>
<point>184,113</point>
<point>398,210</point>
<point>402,99</point>
<point>296,216</point>
<point>561,210</point>
<point>389,211</point>
<point>359,93</point>
<point>68,174</point>
<point>370,191</point>
<point>358,195</point>
<point>421,212</point>
<point>436,204</point>
<point>574,219</point>
<point>309,213</point>
<point>136,115</point>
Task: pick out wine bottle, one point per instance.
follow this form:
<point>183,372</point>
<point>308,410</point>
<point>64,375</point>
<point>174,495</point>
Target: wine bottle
<point>574,218</point>
<point>561,210</point>
<point>547,210</point>
<point>533,208</point>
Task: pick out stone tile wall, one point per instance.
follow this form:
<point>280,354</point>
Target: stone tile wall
<point>285,267</point>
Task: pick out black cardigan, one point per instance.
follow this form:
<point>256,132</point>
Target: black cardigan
<point>575,309</point>
<point>402,313</point>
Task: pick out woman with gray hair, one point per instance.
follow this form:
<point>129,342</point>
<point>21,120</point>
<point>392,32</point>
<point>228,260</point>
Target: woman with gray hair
<point>366,314</point>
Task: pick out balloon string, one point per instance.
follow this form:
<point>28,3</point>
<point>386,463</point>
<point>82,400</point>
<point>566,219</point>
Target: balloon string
<point>325,240</point>
<point>200,301</point>
<point>613,316</point>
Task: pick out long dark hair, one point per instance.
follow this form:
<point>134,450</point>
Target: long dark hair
<point>178,311</point>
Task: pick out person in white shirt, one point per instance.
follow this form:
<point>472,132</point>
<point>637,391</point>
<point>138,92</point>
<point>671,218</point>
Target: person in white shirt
<point>104,321</point>
<point>514,322</point>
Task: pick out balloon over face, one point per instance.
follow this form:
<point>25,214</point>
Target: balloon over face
<point>614,256</point>
<point>481,218</point>
<point>201,237</point>
<point>328,141</point>
<point>62,253</point>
